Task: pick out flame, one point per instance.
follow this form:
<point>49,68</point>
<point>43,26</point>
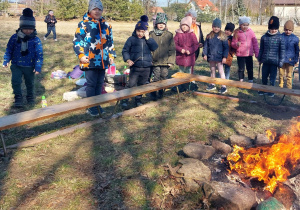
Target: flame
<point>269,163</point>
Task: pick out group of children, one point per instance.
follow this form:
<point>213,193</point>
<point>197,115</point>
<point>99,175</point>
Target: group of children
<point>154,52</point>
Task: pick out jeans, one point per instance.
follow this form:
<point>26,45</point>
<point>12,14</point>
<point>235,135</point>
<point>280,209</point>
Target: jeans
<point>16,79</point>
<point>49,29</point>
<point>269,70</point>
<point>227,71</point>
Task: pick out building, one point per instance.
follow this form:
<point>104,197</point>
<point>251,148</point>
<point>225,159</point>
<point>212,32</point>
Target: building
<point>204,6</point>
<point>287,9</point>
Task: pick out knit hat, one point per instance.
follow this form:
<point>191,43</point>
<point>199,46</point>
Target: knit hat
<point>191,12</point>
<point>27,21</point>
<point>217,23</point>
<point>186,21</point>
<point>230,27</point>
<point>161,18</point>
<point>273,23</point>
<point>143,23</point>
<point>244,19</point>
<point>289,25</point>
<point>95,4</point>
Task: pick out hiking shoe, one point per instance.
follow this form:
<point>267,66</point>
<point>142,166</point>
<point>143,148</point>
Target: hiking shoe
<point>211,87</point>
<point>124,104</point>
<point>271,95</point>
<point>18,101</point>
<point>261,93</point>
<point>223,90</point>
<point>101,110</point>
<point>45,38</point>
<point>92,111</point>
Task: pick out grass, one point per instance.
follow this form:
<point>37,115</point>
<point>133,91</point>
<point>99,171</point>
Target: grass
<point>118,164</point>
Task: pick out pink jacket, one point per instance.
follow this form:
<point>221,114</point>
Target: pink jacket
<point>248,44</point>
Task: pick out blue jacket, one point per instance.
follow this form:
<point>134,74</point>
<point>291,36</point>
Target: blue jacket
<point>291,49</point>
<point>215,49</point>
<point>93,38</point>
<point>272,49</point>
<point>139,50</point>
<point>33,59</point>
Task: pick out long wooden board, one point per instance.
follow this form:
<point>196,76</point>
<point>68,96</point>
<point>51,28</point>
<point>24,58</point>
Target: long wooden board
<point>245,85</point>
<point>22,118</point>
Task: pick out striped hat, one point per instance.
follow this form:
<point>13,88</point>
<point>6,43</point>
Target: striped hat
<point>27,21</point>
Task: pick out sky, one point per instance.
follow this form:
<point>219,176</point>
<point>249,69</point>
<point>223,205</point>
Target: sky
<point>164,3</point>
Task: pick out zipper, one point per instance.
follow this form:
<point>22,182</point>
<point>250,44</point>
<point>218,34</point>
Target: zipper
<point>101,46</point>
<point>247,43</point>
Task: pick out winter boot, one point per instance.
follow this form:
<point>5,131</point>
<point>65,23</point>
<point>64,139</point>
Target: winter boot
<point>153,96</point>
<point>161,94</point>
<point>18,101</point>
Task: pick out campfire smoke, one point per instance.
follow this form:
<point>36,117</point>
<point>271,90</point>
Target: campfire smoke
<point>271,164</point>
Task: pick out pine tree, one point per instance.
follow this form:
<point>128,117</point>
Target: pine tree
<point>240,9</point>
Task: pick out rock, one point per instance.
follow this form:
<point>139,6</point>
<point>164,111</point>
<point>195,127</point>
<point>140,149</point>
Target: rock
<point>285,195</point>
<point>194,169</point>
<point>198,151</point>
<point>270,203</point>
<point>261,139</point>
<point>221,147</point>
<point>294,184</point>
<point>240,140</point>
<point>231,196</point>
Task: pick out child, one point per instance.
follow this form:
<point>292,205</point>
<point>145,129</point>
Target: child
<point>229,28</point>
<point>291,54</point>
<point>94,46</point>
<point>25,51</point>
<point>271,53</point>
<point>137,53</point>
<point>164,55</point>
<point>215,51</point>
<point>50,20</point>
<point>245,43</point>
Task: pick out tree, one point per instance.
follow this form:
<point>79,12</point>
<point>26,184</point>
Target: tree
<point>240,8</point>
<point>4,4</point>
<point>179,9</point>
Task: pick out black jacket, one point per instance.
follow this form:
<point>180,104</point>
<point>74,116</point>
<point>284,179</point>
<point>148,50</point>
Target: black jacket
<point>48,20</point>
<point>272,49</point>
<point>139,50</point>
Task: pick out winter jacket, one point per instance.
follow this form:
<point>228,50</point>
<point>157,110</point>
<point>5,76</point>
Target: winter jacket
<point>291,49</point>
<point>93,38</point>
<point>165,53</point>
<point>215,49</point>
<point>48,19</point>
<point>33,59</point>
<point>248,42</point>
<point>187,41</point>
<point>139,50</point>
<point>272,49</point>
<point>231,52</point>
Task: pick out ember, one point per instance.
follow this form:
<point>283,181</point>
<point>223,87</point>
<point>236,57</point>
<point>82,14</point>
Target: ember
<point>272,163</point>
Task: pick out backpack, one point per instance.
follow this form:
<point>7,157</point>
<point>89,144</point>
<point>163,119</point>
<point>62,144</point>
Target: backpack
<point>76,73</point>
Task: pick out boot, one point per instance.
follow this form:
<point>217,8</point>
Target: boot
<point>153,96</point>
<point>30,99</point>
<point>18,101</point>
<point>160,94</point>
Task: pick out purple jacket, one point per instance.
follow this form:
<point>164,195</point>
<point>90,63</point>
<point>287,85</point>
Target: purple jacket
<point>187,41</point>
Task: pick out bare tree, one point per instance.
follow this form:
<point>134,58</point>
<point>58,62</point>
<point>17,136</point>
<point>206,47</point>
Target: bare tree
<point>232,11</point>
<point>220,9</point>
<point>225,16</point>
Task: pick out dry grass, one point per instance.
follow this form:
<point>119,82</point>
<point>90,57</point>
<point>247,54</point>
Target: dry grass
<point>118,164</point>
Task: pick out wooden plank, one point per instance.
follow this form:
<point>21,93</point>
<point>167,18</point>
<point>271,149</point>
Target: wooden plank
<point>22,118</point>
<point>245,85</point>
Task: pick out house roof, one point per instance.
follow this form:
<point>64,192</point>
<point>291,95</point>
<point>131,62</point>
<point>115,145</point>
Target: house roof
<point>156,10</point>
<point>286,2</point>
<point>203,3</point>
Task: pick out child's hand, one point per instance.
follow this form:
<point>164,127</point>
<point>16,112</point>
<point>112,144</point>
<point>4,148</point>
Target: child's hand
<point>84,59</point>
<point>205,57</point>
<point>170,65</point>
<point>238,44</point>
<point>111,60</point>
<point>183,51</point>
<point>35,72</point>
<point>147,35</point>
<point>188,52</point>
<point>130,62</point>
<point>200,45</point>
<point>224,60</point>
<point>5,66</point>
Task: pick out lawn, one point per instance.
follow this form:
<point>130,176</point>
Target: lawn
<point>119,163</point>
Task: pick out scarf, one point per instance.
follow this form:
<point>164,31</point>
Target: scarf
<point>195,27</point>
<point>158,32</point>
<point>23,39</point>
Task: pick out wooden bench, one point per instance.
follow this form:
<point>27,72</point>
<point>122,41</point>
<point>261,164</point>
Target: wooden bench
<point>23,118</point>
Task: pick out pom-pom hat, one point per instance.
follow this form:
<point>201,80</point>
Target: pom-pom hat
<point>142,24</point>
<point>27,21</point>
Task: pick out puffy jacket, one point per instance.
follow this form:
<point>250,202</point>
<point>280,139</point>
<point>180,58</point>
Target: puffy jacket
<point>231,52</point>
<point>291,49</point>
<point>187,41</point>
<point>272,49</point>
<point>33,59</point>
<point>165,53</point>
<point>215,49</point>
<point>248,42</point>
<point>93,38</point>
<point>139,50</point>
<point>48,19</point>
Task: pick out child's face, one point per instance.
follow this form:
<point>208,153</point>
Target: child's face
<point>228,33</point>
<point>216,29</point>
<point>27,31</point>
<point>96,13</point>
<point>244,26</point>
<point>185,28</point>
<point>273,31</point>
<point>140,33</point>
<point>161,26</point>
<point>288,32</point>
